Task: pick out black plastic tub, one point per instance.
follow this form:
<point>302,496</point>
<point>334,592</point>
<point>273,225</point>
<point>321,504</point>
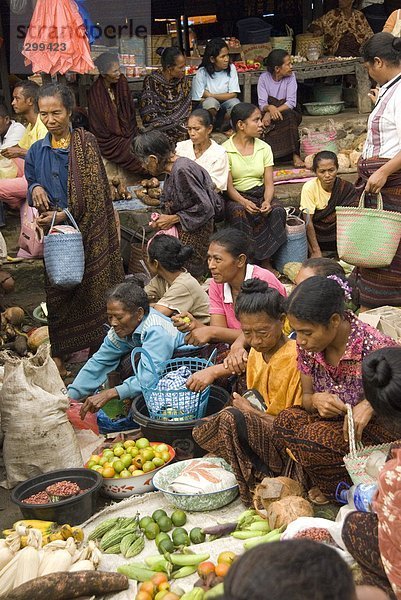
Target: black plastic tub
<point>177,433</point>
<point>74,510</point>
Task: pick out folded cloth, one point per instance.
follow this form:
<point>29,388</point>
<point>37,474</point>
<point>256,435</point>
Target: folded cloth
<point>175,380</point>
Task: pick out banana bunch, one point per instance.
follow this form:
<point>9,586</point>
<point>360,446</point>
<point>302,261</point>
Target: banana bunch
<point>255,530</point>
<point>50,530</point>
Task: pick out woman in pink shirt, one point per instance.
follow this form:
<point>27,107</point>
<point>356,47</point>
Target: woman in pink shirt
<point>228,255</point>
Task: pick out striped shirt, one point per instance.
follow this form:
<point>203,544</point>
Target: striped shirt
<point>384,124</point>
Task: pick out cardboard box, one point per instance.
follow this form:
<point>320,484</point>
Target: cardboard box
<point>386,319</point>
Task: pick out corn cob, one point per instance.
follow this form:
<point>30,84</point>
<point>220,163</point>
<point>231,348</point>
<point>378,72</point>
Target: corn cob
<point>126,542</point>
<point>136,547</point>
<point>115,549</point>
<point>27,566</point>
<point>103,528</point>
<point>115,537</point>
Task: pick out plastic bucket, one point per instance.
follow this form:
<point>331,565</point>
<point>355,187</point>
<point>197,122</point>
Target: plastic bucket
<point>74,510</point>
<point>177,433</point>
<point>328,93</point>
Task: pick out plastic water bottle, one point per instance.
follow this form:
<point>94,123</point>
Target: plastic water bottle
<point>359,497</point>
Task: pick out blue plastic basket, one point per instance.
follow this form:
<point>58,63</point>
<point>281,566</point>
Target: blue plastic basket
<point>174,405</point>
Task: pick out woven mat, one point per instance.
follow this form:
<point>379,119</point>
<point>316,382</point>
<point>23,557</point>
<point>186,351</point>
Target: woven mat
<point>146,505</point>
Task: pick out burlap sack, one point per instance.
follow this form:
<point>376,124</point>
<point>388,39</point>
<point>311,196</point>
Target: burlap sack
<point>37,434</point>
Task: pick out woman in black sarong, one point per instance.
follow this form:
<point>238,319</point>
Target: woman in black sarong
<point>250,205</point>
<point>189,199</point>
<point>319,197</point>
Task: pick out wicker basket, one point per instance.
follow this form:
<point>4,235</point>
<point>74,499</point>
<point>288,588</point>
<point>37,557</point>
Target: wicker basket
<point>283,42</point>
<point>355,461</point>
<point>305,40</point>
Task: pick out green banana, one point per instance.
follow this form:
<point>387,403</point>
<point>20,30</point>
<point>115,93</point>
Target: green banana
<point>215,592</point>
<point>158,563</point>
<point>188,560</point>
<point>273,536</point>
<point>184,572</point>
<point>246,534</point>
<point>262,525</point>
<point>137,571</point>
<point>196,594</point>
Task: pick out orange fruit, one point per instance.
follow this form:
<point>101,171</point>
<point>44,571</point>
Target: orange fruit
<point>222,569</point>
<point>108,472</point>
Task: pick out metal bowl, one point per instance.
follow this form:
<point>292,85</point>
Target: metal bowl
<point>193,502</point>
<point>323,108</point>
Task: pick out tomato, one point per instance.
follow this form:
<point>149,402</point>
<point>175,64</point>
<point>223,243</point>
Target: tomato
<point>164,586</point>
<point>148,587</point>
<point>226,557</point>
<point>108,472</point>
<point>159,578</point>
<point>222,569</point>
<point>147,454</point>
<point>142,443</point>
<point>205,568</point>
<point>143,596</point>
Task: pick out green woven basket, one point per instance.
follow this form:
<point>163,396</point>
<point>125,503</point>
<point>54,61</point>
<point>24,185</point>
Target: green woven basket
<point>367,237</point>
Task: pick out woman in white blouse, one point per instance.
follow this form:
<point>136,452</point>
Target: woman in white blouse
<point>203,150</point>
<point>379,167</point>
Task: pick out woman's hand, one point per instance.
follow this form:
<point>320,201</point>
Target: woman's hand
<point>185,322</point>
<point>94,403</point>
<point>267,119</point>
<point>375,182</point>
<point>328,405</point>
<point>374,94</point>
<point>265,207</point>
<point>236,361</point>
<point>164,222</point>
<point>275,113</point>
<point>46,218</point>
<point>199,336</point>
<point>201,380</point>
<point>362,414</point>
<point>242,403</point>
<point>40,199</point>
<point>250,207</point>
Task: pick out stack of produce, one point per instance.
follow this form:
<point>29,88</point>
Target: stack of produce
<point>150,192</point>
<point>120,535</point>
<point>130,459</point>
<point>50,530</point>
<point>26,566</point>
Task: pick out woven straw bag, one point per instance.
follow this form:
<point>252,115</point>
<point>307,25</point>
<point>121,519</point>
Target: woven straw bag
<point>355,461</point>
<point>64,255</point>
<point>367,237</point>
<point>295,249</point>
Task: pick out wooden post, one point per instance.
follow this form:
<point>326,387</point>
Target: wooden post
<point>363,87</point>
<point>5,86</point>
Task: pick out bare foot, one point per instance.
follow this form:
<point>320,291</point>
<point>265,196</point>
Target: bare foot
<point>61,367</point>
<point>317,497</point>
<point>298,162</point>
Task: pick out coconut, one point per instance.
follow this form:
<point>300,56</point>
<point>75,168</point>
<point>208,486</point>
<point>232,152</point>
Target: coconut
<point>37,337</point>
<point>272,489</point>
<point>288,509</point>
<point>354,157</point>
<point>309,161</point>
<point>343,161</point>
<point>14,315</point>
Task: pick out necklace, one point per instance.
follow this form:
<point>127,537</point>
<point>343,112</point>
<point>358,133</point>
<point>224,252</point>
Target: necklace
<point>62,143</point>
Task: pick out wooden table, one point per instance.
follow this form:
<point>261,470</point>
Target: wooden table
<point>303,71</point>
<point>311,70</point>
